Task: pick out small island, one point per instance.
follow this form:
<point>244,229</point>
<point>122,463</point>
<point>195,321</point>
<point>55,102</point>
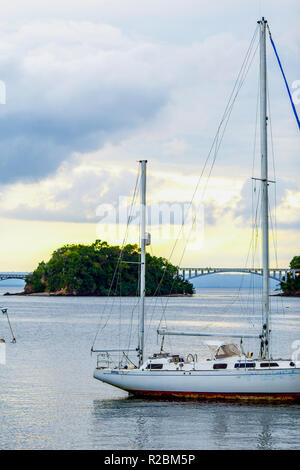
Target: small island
<point>90,270</point>
<point>291,285</point>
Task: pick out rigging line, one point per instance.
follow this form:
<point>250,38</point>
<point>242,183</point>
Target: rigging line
<point>218,144</point>
<point>117,271</point>
<point>154,301</point>
<point>253,192</point>
<point>226,114</point>
<point>279,299</point>
<point>118,261</point>
<point>253,243</point>
<point>242,281</point>
<point>228,109</point>
<point>254,250</point>
<point>284,78</point>
<point>215,145</point>
<point>120,311</point>
<point>273,236</point>
<point>254,214</point>
<point>216,150</point>
<point>219,141</point>
<point>132,312</point>
<point>256,127</point>
<point>275,240</point>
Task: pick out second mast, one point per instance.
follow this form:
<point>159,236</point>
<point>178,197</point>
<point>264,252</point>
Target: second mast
<point>143,243</point>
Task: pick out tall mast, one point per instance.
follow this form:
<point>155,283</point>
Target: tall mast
<point>265,340</point>
<point>143,164</point>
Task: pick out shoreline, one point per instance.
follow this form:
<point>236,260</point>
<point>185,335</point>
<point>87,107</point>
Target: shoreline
<point>64,294</point>
<point>287,295</point>
<point>54,294</point>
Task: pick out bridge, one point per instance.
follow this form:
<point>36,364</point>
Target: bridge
<point>274,273</point>
<point>13,275</point>
<point>193,273</point>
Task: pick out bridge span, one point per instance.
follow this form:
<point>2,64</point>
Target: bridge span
<point>274,273</point>
<point>193,273</point>
<point>13,275</point>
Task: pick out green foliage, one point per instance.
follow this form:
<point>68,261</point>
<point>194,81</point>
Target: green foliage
<point>89,270</point>
<point>295,263</point>
<point>37,279</point>
<point>290,284</point>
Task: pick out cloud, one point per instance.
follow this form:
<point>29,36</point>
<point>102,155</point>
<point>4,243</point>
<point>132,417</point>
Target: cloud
<point>175,147</point>
<point>288,211</point>
<point>74,86</point>
<point>72,194</point>
<point>91,90</point>
<point>71,86</point>
<point>105,177</point>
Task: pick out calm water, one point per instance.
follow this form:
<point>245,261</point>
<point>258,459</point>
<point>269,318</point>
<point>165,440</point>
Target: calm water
<point>49,399</point>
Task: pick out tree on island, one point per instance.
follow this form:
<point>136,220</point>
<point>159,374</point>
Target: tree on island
<point>291,285</point>
<point>89,270</point>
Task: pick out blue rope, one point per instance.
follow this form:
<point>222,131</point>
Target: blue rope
<point>286,84</point>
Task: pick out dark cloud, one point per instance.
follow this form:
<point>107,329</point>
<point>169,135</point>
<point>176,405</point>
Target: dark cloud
<point>33,143</point>
<point>70,93</point>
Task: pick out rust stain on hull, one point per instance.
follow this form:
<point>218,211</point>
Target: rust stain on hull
<point>291,397</point>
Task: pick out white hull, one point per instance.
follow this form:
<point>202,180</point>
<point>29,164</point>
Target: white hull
<point>266,384</point>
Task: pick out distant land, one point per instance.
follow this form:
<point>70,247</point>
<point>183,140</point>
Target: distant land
<point>221,281</point>
<point>291,285</point>
<point>101,269</point>
<point>229,280</point>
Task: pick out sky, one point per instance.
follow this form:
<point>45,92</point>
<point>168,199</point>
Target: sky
<point>88,88</point>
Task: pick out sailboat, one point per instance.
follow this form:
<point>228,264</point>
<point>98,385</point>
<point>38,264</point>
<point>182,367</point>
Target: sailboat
<point>229,373</point>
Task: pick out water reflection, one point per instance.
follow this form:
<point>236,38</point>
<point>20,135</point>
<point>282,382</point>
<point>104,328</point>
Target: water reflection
<point>51,401</point>
<point>131,423</point>
<point>264,439</point>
